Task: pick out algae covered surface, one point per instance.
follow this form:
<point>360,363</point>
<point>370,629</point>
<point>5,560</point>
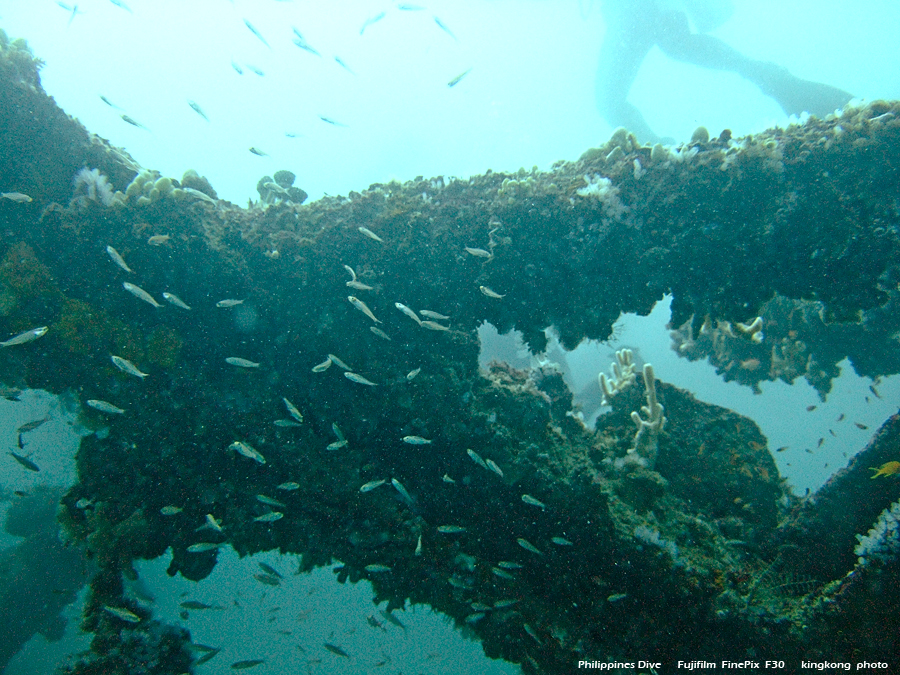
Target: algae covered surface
<point>288,378</point>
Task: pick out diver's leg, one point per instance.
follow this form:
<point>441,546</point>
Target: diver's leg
<point>792,93</point>
<point>623,50</point>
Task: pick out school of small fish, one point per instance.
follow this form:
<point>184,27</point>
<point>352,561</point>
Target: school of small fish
<point>427,319</point>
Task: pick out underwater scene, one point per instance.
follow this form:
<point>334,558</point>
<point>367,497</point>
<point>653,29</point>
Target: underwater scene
<point>475,336</point>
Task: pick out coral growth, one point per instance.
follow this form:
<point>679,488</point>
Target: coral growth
<point>92,187</point>
<point>882,543</point>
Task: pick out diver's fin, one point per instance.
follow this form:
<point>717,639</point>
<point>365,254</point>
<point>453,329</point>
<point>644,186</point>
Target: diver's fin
<point>796,95</point>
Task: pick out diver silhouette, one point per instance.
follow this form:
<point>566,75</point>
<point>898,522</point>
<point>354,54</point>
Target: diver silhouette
<point>634,27</point>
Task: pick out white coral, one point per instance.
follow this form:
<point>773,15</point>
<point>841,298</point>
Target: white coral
<point>882,543</point>
<point>646,440</point>
<point>92,186</point>
<point>601,188</point>
<point>622,375</point>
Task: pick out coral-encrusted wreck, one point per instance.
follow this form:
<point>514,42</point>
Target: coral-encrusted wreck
<point>701,552</point>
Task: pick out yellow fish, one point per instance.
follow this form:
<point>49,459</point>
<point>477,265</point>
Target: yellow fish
<point>886,469</point>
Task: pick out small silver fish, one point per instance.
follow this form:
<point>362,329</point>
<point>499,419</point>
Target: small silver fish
<point>362,307</point>
<point>528,499</point>
<point>489,293</point>
<point>337,431</point>
<point>127,366</point>
<point>19,197</point>
<point>455,80</point>
<point>133,122</point>
<point>238,362</point>
<point>119,3</point>
<point>410,313</point>
<point>268,501</point>
<point>304,45</point>
<point>338,362</point>
<point>528,546</point>
<point>171,510</point>
<point>380,333</point>
<point>377,569</point>
<point>332,122</point>
<point>451,529</point>
<point>292,410</point>
<point>290,486</point>
<point>118,259</point>
<point>444,28</point>
<point>428,314</point>
<point>447,479</point>
<point>371,235</point>
<point>560,541</point>
<point>123,614</point>
<point>253,69</point>
<point>237,68</point>
<point>173,299</point>
<point>505,564</point>
<point>402,490</point>
<point>476,458</point>
<point>502,574</point>
<point>418,550</point>
<point>336,445</point>
<point>257,33</point>
<point>359,286</point>
<point>433,325</point>
<point>212,523</point>
<point>492,465</point>
<point>27,336</point>
<point>285,424</point>
<point>104,406</point>
<point>247,451</point>
<point>197,109</point>
<point>140,294</point>
<point>359,379</point>
<point>325,365</point>
<point>416,440</point>
<point>370,21</point>
<point>411,375</point>
<point>474,618</point>
<point>532,632</point>
<point>24,461</point>
<point>258,152</point>
<point>479,252</point>
<point>269,517</point>
<point>202,547</point>
<point>343,65</point>
<point>371,485</point>
<point>159,239</point>
<point>103,98</point>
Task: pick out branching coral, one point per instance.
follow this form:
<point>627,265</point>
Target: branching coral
<point>882,543</point>
<point>91,186</point>
<point>622,371</point>
<point>646,440</point>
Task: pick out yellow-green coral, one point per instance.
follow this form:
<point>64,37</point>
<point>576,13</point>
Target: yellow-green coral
<point>82,329</point>
<point>164,346</point>
<point>24,274</point>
